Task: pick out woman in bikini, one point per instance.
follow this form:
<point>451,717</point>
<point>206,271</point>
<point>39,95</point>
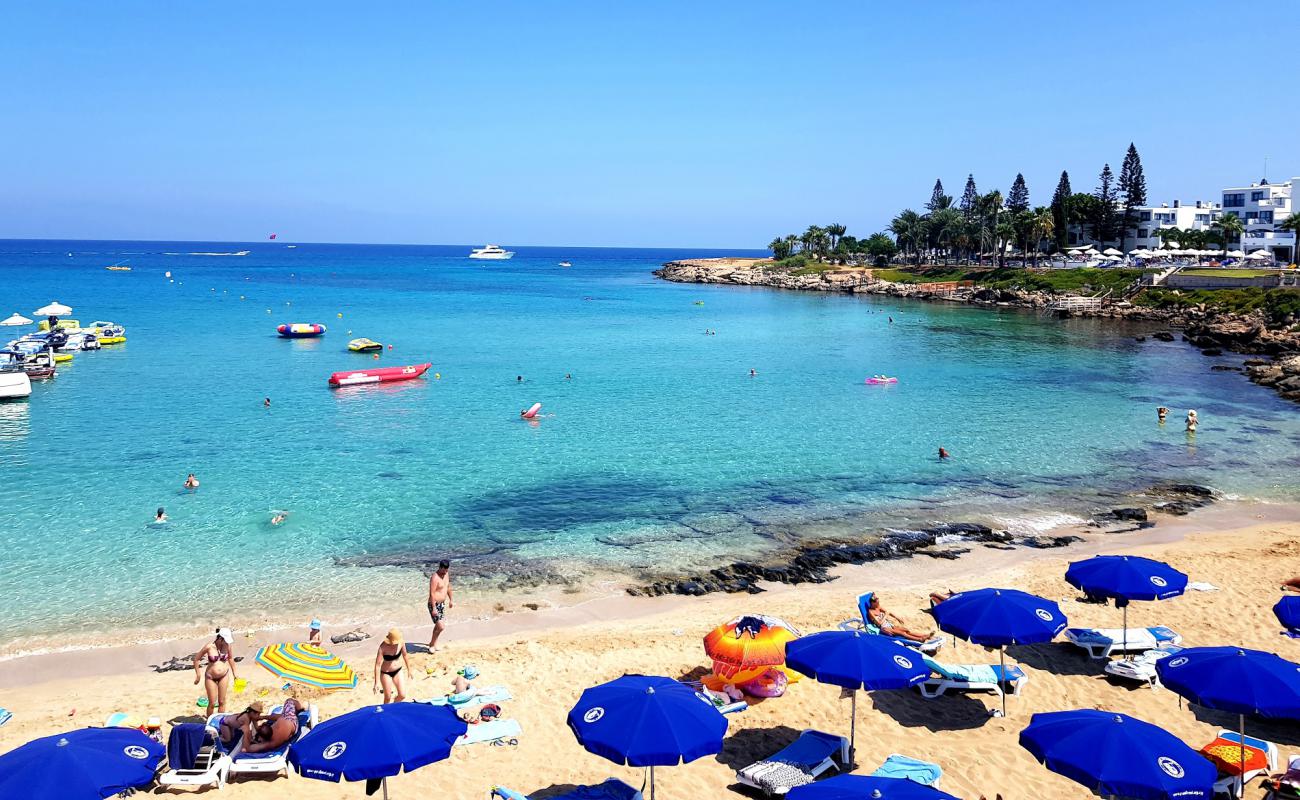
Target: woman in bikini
<point>277,730</point>
<point>220,671</point>
<point>890,624</point>
<point>232,726</point>
<point>390,661</point>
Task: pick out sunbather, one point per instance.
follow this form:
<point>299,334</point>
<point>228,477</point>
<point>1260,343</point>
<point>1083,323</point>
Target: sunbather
<point>274,731</point>
<point>232,726</point>
<point>890,624</point>
<point>1291,585</point>
<point>938,597</point>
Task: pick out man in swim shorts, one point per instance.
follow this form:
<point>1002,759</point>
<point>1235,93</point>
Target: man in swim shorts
<point>439,600</point>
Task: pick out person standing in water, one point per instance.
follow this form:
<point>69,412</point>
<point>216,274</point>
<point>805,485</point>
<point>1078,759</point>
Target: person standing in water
<point>1192,421</point>
<point>191,482</point>
<point>440,600</point>
<point>161,516</point>
<point>1161,413</point>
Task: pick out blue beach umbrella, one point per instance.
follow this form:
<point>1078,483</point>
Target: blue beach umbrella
<point>1235,680</point>
<point>80,765</point>
<point>647,721</point>
<point>376,742</point>
<point>855,660</point>
<point>1126,578</point>
<point>863,787</point>
<point>1287,611</point>
<point>999,617</point>
<point>1119,756</point>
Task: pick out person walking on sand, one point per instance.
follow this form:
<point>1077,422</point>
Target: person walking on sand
<point>391,664</point>
<point>1192,421</point>
<point>220,672</point>
<point>440,601</point>
<point>191,482</point>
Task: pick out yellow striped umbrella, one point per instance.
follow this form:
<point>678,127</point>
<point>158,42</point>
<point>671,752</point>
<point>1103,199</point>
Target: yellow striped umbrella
<point>309,664</point>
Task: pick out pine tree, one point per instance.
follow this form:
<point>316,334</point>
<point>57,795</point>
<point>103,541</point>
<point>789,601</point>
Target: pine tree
<point>1133,185</point>
<point>970,199</point>
<point>1061,210</point>
<point>1104,219</point>
<point>1018,197</point>
<point>936,197</point>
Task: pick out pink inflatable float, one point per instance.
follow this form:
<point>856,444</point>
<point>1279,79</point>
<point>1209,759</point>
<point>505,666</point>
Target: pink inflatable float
<point>531,413</point>
<point>877,380</point>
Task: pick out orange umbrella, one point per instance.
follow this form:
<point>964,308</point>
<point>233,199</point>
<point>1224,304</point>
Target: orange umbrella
<point>747,642</point>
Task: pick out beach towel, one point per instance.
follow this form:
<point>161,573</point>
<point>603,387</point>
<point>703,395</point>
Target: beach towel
<point>184,744</point>
<point>912,769</point>
<point>489,731</point>
<point>970,673</point>
<point>5,715</point>
<point>1202,586</point>
<point>492,694</point>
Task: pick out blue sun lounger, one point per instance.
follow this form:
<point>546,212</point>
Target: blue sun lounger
<point>866,625</point>
<point>801,762</point>
<point>612,789</point>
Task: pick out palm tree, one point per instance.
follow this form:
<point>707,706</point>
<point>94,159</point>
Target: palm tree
<point>791,242</point>
<point>780,248</point>
<point>1003,233</point>
<point>835,230</point>
<point>908,230</point>
<point>1043,226</point>
<point>1292,223</point>
<point>812,239</point>
<point>1228,227</point>
<point>990,209</point>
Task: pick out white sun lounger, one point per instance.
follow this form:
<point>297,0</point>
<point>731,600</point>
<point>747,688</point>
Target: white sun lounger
<point>1102,642</point>
<point>1227,784</point>
<point>1141,667</point>
<point>972,678</point>
<point>272,762</point>
<point>864,624</point>
<point>801,762</point>
<point>211,765</point>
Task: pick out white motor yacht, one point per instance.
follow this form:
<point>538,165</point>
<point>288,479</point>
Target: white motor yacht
<point>491,252</point>
<point>14,382</point>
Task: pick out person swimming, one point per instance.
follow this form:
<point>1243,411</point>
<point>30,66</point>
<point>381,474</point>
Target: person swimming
<point>266,402</point>
<point>191,482</point>
<point>161,516</point>
<point>519,379</point>
<point>943,453</point>
<point>753,373</point>
<point>280,516</point>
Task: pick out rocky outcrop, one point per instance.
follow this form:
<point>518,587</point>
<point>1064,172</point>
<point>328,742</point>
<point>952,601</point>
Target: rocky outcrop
<point>357,635</point>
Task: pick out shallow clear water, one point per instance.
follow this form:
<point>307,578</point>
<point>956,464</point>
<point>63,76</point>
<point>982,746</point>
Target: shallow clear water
<point>661,450</point>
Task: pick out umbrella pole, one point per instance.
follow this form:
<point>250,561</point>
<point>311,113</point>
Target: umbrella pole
<point>1002,659</point>
<point>652,782</point>
<point>1125,634</point>
<point>853,730</point>
<point>385,785</point>
<point>1241,738</point>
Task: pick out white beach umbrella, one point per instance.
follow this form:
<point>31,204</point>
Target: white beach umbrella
<point>1260,252</point>
<point>1141,251</point>
<point>1110,251</point>
<point>1259,255</point>
<point>1214,248</point>
<point>1172,245</point>
<point>1235,254</point>
<point>55,309</point>
<point>16,319</point>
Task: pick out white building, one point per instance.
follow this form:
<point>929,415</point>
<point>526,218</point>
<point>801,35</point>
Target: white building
<point>1198,215</point>
<point>1263,207</point>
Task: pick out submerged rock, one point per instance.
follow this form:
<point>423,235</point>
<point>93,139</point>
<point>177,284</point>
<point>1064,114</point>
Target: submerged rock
<point>357,635</point>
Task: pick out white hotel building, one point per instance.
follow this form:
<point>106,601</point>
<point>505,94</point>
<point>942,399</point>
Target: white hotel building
<point>1197,215</point>
<point>1263,207</point>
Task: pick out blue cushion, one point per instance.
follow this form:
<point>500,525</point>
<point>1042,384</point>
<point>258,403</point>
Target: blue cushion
<point>810,749</point>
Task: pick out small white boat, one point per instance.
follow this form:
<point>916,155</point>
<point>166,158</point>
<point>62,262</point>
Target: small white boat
<point>491,252</point>
<point>566,264</point>
<point>14,382</point>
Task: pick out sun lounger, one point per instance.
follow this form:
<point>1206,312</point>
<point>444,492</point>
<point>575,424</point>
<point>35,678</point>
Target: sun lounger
<point>865,624</point>
<point>809,757</point>
<point>972,678</point>
<point>491,731</point>
<point>1101,642</point>
<point>1141,667</point>
<point>1287,785</point>
<point>612,789</point>
<point>271,762</point>
<point>912,769</point>
<point>208,766</point>
<point>1223,752</point>
<point>489,694</point>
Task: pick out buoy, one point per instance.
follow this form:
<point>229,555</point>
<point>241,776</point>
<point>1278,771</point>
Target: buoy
<point>340,315</point>
<point>376,355</point>
<point>390,347</point>
<point>166,274</point>
<point>437,376</point>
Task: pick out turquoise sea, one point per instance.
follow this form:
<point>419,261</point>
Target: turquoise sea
<point>660,452</point>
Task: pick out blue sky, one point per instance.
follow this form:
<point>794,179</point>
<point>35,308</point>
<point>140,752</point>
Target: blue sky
<point>596,123</point>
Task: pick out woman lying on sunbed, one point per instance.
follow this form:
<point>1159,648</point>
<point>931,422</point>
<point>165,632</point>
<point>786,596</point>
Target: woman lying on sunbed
<point>275,730</point>
<point>890,624</point>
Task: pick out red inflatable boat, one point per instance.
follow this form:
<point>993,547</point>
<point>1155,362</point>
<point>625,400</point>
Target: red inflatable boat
<point>359,377</point>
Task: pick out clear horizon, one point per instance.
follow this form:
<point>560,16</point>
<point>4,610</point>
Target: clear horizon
<point>616,126</point>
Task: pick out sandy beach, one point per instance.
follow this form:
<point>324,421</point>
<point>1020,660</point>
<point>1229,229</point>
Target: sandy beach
<point>547,657</point>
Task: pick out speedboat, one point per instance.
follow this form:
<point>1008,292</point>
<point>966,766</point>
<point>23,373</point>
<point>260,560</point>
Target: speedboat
<point>36,360</point>
<point>491,252</point>
<point>106,332</point>
<point>565,264</point>
<point>81,341</point>
<point>364,345</point>
<point>300,330</point>
<point>14,383</point>
<point>361,377</point>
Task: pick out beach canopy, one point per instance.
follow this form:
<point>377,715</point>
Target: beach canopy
<point>16,319</point>
<point>1235,254</point>
<point>1259,255</point>
<point>856,660</point>
<point>1234,679</point>
<point>1115,755</point>
<point>863,787</point>
<point>1287,611</point>
<point>55,309</point>
<point>999,617</point>
<point>307,664</point>
<point>375,743</point>
<point>1260,252</point>
<point>1111,251</point>
<point>746,642</point>
<point>85,764</point>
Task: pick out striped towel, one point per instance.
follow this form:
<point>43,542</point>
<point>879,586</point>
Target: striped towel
<point>489,731</point>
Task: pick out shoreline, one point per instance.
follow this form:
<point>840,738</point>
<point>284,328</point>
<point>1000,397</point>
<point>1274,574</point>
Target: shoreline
<point>545,612</point>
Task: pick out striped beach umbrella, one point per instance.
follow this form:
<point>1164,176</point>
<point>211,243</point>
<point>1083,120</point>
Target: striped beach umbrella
<point>307,663</point>
<point>746,642</point>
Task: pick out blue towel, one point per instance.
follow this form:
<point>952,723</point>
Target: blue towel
<point>810,749</point>
<point>912,769</point>
<point>184,744</point>
<point>612,789</point>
